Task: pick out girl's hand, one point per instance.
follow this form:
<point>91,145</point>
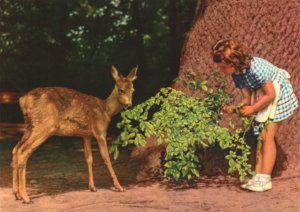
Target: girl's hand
<point>247,110</point>
<point>228,109</point>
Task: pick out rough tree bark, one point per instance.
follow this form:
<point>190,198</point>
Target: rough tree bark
<point>272,30</point>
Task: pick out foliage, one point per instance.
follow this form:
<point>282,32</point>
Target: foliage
<point>73,43</point>
<point>186,124</point>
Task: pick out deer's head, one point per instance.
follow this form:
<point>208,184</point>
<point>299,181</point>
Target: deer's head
<point>124,86</point>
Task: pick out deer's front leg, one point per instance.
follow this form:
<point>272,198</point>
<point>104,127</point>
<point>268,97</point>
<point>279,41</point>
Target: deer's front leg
<point>89,160</point>
<point>105,156</point>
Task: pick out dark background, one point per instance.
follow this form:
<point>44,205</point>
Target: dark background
<point>74,43</point>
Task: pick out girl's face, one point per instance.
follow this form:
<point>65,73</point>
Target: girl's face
<point>225,68</point>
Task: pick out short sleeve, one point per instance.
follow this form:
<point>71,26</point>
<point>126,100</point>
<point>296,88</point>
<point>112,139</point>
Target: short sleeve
<point>257,78</point>
<point>258,81</point>
<point>238,81</point>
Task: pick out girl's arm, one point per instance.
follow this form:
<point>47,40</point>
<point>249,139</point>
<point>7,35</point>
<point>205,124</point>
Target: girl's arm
<point>246,101</point>
<point>246,96</point>
<point>268,97</point>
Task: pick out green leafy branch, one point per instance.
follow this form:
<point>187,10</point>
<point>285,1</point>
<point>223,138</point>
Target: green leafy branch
<point>186,124</point>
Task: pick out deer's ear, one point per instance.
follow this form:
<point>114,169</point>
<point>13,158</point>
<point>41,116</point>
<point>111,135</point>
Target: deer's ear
<point>114,72</point>
<point>132,75</point>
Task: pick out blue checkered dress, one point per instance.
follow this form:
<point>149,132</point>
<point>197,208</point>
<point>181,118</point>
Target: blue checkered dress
<point>257,76</point>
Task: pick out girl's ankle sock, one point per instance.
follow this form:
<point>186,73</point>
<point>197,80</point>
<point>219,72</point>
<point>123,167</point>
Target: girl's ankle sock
<point>264,177</point>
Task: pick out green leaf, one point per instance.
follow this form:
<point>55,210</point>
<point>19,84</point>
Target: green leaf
<point>186,124</point>
<point>116,154</point>
<point>231,163</point>
<point>242,178</point>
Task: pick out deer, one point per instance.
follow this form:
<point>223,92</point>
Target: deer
<point>60,111</point>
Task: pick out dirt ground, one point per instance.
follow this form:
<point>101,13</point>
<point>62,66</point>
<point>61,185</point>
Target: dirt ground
<point>57,181</point>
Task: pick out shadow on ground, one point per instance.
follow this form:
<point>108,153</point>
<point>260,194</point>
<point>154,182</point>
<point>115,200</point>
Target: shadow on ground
<point>59,166</point>
<point>57,180</point>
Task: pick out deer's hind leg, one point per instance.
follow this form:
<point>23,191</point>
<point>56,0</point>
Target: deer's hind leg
<point>36,138</point>
<point>89,160</point>
<point>14,165</point>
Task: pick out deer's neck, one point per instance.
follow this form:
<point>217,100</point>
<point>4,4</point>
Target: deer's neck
<point>112,104</point>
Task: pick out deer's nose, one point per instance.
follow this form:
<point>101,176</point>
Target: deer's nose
<point>127,105</point>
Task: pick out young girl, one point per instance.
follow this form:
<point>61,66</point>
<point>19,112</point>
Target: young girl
<point>266,92</point>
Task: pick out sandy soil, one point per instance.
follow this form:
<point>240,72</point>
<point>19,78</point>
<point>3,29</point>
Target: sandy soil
<point>57,181</point>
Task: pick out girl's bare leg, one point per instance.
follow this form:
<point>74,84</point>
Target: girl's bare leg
<point>269,148</point>
<point>266,157</point>
<point>259,152</point>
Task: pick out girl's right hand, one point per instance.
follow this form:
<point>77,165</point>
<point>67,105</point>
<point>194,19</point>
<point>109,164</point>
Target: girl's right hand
<point>229,109</point>
<point>234,109</point>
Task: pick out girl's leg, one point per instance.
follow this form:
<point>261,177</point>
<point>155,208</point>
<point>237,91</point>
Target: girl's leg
<point>269,148</point>
<point>265,161</point>
<point>259,152</point>
<point>258,161</point>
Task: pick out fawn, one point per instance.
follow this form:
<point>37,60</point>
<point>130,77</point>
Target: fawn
<point>61,111</point>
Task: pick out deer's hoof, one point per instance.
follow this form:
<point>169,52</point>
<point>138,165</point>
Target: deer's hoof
<point>27,202</point>
<point>93,189</point>
<point>17,196</point>
<point>120,189</point>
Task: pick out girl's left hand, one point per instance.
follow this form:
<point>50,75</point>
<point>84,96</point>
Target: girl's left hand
<point>247,110</point>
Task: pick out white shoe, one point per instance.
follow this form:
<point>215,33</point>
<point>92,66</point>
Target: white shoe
<point>245,185</point>
<point>250,182</point>
<point>259,186</point>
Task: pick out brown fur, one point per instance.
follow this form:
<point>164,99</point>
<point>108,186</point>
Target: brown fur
<point>66,112</point>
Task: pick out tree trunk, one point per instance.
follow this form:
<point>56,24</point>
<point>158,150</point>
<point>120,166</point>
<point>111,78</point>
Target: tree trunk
<point>272,30</point>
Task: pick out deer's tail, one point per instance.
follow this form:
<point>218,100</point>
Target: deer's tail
<point>23,105</point>
<point>26,106</point>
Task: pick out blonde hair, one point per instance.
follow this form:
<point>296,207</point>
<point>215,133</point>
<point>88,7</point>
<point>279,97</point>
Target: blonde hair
<point>231,53</point>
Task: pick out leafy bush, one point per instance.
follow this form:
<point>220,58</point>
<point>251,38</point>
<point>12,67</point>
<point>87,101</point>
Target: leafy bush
<point>185,123</point>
